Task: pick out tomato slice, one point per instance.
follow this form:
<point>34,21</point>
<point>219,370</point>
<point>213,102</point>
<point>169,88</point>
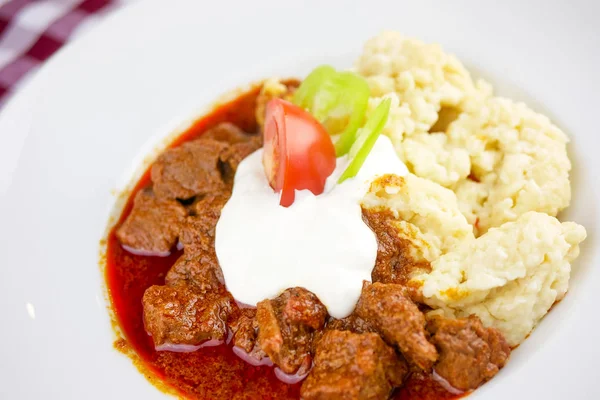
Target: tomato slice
<point>298,152</point>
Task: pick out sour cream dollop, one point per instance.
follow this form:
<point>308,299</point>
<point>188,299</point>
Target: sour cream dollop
<point>319,243</point>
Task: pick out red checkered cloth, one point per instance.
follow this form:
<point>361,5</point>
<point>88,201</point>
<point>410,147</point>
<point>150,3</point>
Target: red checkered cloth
<point>32,30</point>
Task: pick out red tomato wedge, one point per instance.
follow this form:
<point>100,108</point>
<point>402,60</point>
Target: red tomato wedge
<point>298,151</point>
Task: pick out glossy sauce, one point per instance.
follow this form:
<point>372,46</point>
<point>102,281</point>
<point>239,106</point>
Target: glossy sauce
<point>211,372</point>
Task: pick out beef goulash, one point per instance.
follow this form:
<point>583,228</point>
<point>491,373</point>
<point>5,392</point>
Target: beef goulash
<point>345,237</point>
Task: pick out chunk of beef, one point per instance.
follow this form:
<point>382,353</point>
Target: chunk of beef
<point>200,271</point>
<point>189,170</point>
<point>244,327</point>
<point>197,235</point>
<point>226,132</point>
<point>181,318</point>
<point>469,353</point>
<point>398,320</point>
<point>198,266</point>
<point>352,323</point>
<point>234,154</point>
<point>209,207</point>
<point>299,306</point>
<point>240,145</point>
<point>204,165</point>
<point>207,211</point>
<point>285,328</point>
<point>353,366</point>
<point>153,225</point>
<point>395,262</point>
<point>198,230</point>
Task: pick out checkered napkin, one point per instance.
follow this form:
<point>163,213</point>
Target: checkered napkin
<point>32,30</point>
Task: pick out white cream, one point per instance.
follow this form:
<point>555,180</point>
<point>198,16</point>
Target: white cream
<point>320,242</point>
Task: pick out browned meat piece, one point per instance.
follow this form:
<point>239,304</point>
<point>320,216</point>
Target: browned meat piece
<point>210,206</point>
<point>152,226</point>
<point>299,306</point>
<point>180,318</point>
<point>469,353</point>
<point>353,366</point>
<point>189,170</point>
<point>226,132</point>
<point>197,235</point>
<point>203,166</point>
<point>200,271</point>
<point>398,320</point>
<point>198,230</point>
<point>244,327</point>
<point>285,328</point>
<point>394,263</point>
<point>199,265</point>
<point>240,145</point>
<point>352,323</point>
<point>208,210</point>
<point>235,153</point>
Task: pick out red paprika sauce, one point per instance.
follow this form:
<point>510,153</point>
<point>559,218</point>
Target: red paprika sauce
<point>214,373</point>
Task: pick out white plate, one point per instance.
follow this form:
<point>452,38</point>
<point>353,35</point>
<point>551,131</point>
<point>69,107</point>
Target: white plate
<point>82,125</point>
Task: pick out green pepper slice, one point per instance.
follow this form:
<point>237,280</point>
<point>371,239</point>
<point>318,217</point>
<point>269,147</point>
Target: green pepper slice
<point>365,139</point>
<point>336,99</point>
